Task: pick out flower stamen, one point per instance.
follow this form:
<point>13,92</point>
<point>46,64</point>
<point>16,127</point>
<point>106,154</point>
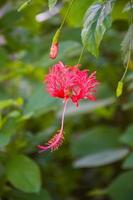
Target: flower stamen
<point>56,141</point>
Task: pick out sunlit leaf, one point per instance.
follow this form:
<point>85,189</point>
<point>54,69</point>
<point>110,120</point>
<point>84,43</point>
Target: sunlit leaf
<point>96,22</point>
<point>10,102</point>
<point>51,3</point>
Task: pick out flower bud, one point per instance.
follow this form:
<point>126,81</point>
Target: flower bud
<point>119,89</point>
<point>54,50</point>
<point>54,47</point>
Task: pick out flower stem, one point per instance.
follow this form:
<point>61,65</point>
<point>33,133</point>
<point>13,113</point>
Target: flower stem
<point>67,12</point>
<point>130,47</point>
<point>63,115</point>
<point>81,54</point>
<point>125,71</point>
<point>24,5</point>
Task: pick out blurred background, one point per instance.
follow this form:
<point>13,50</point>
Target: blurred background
<point>95,161</point>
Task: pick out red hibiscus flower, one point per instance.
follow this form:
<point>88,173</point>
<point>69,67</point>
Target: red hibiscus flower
<point>54,50</point>
<point>68,82</point>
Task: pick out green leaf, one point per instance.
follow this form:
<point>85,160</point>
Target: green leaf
<point>127,45</point>
<point>101,158</point>
<point>51,3</point>
<point>95,140</point>
<point>3,56</point>
<point>8,130</point>
<point>42,195</point>
<point>127,137</point>
<point>96,22</point>
<point>40,102</point>
<point>6,103</point>
<point>122,187</point>
<point>24,174</point>
<point>128,163</point>
<point>10,102</point>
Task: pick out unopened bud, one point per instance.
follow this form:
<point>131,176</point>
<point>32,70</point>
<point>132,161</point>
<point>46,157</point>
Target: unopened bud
<point>54,51</point>
<point>54,47</point>
<point>119,89</point>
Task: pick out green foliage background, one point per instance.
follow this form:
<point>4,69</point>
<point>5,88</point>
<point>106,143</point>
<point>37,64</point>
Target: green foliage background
<point>95,161</point>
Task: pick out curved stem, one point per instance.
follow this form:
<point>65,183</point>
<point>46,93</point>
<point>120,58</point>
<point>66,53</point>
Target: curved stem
<point>63,115</point>
<point>125,72</point>
<point>81,54</point>
<point>23,5</point>
<point>67,12</point>
<point>127,64</point>
<point>130,47</point>
<point>131,13</point>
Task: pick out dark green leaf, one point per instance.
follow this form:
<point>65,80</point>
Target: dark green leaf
<point>24,174</point>
<point>3,56</point>
<point>42,195</point>
<point>122,187</point>
<point>95,140</point>
<point>127,137</point>
<point>128,163</point>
